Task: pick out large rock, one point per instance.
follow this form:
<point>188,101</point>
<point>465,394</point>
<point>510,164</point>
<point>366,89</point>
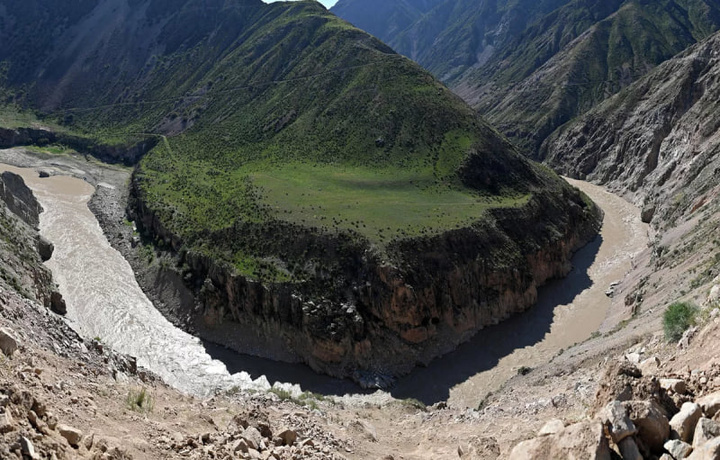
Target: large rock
<point>676,385</point>
<point>580,441</point>
<point>252,437</point>
<point>705,430</point>
<point>615,417</point>
<point>27,448</point>
<point>6,423</point>
<point>678,449</point>
<point>286,437</point>
<point>710,404</point>
<point>652,424</point>
<point>708,451</point>
<point>57,303</point>
<point>649,366</point>
<point>554,426</point>
<point>8,342</point>
<point>629,449</point>
<point>683,423</point>
<point>647,214</point>
<point>72,435</point>
<point>45,249</point>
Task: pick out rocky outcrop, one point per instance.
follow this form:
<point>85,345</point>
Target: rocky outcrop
<point>19,198</point>
<point>364,315</point>
<point>582,440</point>
<point>657,141</point>
<point>22,250</point>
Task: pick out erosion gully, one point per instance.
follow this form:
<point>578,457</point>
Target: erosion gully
<point>105,301</point>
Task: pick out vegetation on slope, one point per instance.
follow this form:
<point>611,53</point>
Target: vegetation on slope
<point>529,67</point>
<point>266,113</point>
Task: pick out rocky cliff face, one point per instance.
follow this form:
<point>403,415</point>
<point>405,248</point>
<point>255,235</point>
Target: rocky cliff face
<point>367,315</point>
<point>20,244</point>
<point>657,141</point>
<point>19,198</point>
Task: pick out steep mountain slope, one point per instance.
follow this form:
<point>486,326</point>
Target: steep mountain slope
<point>311,184</point>
<point>605,46</point>
<point>453,35</point>
<point>657,140</point>
<point>383,19</point>
<point>529,67</point>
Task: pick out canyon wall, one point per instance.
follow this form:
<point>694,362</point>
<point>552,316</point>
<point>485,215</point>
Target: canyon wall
<point>365,314</point>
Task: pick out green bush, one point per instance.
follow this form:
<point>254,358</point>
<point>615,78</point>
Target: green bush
<point>140,400</point>
<point>677,318</point>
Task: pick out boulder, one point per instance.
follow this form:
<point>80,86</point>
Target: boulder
<point>252,436</point>
<point>682,425</point>
<point>240,446</point>
<point>714,295</point>
<point>687,337</point>
<point>708,451</point>
<point>43,173</point>
<point>676,385</point>
<point>72,435</point>
<point>19,198</point>
<point>705,430</point>
<point>615,417</point>
<point>629,449</point>
<point>649,366</point>
<point>554,426</point>
<point>584,440</point>
<point>286,437</point>
<point>678,449</point>
<point>6,423</point>
<point>8,342</point>
<point>710,404</point>
<point>648,212</point>
<point>57,303</point>
<point>27,448</point>
<point>652,424</point>
<point>45,248</point>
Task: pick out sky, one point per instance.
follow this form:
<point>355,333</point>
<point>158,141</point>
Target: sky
<point>327,3</point>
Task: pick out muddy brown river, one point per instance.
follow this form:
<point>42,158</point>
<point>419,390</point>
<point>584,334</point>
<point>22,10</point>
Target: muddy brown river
<point>105,301</point>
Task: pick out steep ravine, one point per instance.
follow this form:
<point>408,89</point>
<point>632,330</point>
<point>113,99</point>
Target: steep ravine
<point>385,319</point>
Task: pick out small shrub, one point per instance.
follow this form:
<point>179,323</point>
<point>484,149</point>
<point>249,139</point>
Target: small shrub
<point>678,318</point>
<point>524,370</point>
<point>140,400</point>
<point>284,395</point>
<point>414,403</point>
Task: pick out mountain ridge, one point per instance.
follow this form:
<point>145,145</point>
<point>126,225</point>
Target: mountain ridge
<point>559,59</point>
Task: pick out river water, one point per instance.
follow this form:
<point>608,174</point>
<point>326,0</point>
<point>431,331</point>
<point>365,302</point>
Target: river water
<point>105,301</point>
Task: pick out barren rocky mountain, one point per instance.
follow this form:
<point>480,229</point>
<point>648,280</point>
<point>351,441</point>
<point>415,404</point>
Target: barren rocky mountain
<point>657,141</point>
